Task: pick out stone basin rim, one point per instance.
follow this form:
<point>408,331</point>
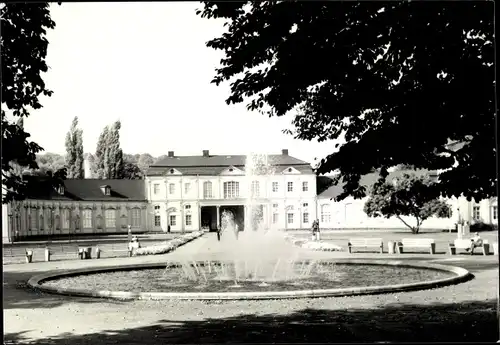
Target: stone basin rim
<point>460,275</point>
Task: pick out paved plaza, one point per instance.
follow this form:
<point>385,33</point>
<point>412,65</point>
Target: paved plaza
<point>464,312</point>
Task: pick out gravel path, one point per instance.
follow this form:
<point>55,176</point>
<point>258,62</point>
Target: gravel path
<point>464,312</point>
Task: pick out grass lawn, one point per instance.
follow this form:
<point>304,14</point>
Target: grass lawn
<point>442,238</point>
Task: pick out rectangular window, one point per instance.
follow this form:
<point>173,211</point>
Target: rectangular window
<point>65,218</point>
<point>231,189</point>
<point>156,188</point>
<point>289,218</point>
<point>171,188</point>
<point>290,186</point>
<point>304,205</point>
<point>87,219</point>
<point>476,214</point>
<point>275,218</point>
<point>187,187</point>
<point>495,212</point>
<point>157,207</point>
<point>207,190</point>
<point>157,220</point>
<point>305,186</point>
<point>188,219</point>
<point>173,220</point>
<point>275,187</point>
<point>110,218</point>
<point>49,220</point>
<point>136,217</point>
<point>33,217</point>
<point>255,190</point>
<point>305,218</point>
<point>325,213</point>
<point>275,205</point>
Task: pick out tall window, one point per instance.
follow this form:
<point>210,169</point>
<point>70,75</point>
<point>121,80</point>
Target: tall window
<point>171,188</point>
<point>40,220</point>
<point>157,207</point>
<point>188,219</point>
<point>156,188</point>
<point>173,220</point>
<point>231,189</point>
<point>157,220</point>
<point>87,219</point>
<point>275,218</point>
<point>305,217</point>
<point>305,186</point>
<point>325,213</point>
<point>110,216</point>
<point>136,217</point>
<point>275,187</point>
<point>207,190</point>
<point>187,187</point>
<point>495,212</point>
<point>33,217</point>
<point>65,218</point>
<point>255,189</point>
<point>476,214</point>
<point>289,218</point>
<point>290,186</point>
<point>304,205</point>
<point>49,218</point>
<point>187,207</point>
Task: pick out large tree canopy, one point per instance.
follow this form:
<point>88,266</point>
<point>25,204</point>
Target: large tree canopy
<point>399,81</point>
<point>23,52</point>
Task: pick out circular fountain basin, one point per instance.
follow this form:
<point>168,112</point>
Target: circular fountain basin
<point>331,278</point>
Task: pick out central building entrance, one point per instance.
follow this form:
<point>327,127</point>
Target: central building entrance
<point>209,216</point>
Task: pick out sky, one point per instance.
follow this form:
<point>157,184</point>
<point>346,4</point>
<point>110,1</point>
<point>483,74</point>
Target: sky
<point>147,65</point>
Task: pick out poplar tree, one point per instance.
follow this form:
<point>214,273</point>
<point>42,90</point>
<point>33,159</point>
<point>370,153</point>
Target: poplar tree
<point>74,151</point>
<point>100,154</point>
<point>114,155</point>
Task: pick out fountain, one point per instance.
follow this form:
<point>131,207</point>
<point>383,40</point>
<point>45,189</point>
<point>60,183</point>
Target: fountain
<point>256,263</point>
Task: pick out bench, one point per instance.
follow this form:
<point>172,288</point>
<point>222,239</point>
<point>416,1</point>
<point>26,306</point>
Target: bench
<point>465,244</point>
<point>366,243</point>
<point>62,251</point>
<point>420,243</point>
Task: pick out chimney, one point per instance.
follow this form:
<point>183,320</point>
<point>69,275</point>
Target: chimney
<point>170,153</point>
<point>205,153</point>
<point>284,152</point>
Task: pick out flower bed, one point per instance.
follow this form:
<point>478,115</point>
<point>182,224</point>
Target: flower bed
<point>168,246</point>
<point>313,245</point>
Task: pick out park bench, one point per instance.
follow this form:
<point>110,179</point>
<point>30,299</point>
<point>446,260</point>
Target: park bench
<point>465,244</point>
<point>416,243</point>
<point>365,243</point>
<point>120,249</point>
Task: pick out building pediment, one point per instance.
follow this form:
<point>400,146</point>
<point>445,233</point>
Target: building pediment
<point>172,171</point>
<point>231,171</point>
<point>291,171</point>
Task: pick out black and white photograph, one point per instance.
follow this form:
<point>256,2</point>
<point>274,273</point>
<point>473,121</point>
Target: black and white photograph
<point>185,172</point>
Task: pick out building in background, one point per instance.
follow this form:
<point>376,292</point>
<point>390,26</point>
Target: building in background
<point>190,192</point>
<point>186,193</point>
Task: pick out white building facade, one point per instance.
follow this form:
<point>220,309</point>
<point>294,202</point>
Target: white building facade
<point>190,192</point>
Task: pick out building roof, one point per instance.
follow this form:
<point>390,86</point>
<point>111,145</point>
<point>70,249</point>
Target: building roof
<point>87,190</point>
<point>327,190</point>
<point>215,164</point>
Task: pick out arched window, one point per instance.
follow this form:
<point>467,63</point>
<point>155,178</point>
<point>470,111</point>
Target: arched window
<point>207,190</point>
<point>231,189</point>
<point>255,189</point>
<point>325,213</point>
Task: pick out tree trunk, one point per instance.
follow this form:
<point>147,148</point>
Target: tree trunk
<point>415,230</point>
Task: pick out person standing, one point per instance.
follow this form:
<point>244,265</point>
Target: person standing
<point>218,233</point>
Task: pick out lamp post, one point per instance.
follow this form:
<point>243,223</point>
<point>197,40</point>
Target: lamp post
<point>11,228</point>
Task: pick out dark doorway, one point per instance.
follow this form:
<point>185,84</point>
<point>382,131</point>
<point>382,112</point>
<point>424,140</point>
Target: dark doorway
<point>209,217</point>
<point>239,214</point>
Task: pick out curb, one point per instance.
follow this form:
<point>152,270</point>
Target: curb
<point>461,275</point>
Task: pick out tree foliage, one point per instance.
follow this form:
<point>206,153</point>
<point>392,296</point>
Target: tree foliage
<point>49,162</point>
<point>23,50</point>
<point>409,195</point>
<point>109,163</point>
<point>398,81</point>
<point>74,151</point>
